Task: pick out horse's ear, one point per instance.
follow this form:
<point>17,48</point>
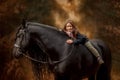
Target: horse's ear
<point>24,23</point>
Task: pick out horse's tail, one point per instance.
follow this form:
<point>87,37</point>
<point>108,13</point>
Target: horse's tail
<point>104,72</point>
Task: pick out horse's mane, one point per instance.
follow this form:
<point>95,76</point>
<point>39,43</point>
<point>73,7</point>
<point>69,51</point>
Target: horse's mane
<point>49,28</point>
<point>43,25</point>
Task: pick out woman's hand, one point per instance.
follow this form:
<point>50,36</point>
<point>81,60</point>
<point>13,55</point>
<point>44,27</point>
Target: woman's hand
<point>69,41</point>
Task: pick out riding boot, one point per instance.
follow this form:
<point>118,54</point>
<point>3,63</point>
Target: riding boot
<point>94,51</point>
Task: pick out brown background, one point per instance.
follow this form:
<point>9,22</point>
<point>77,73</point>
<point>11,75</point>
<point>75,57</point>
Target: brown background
<point>94,18</point>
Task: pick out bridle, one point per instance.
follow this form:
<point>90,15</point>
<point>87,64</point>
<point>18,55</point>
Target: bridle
<point>45,51</point>
<point>50,61</point>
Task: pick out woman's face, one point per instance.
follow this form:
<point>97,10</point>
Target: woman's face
<point>69,27</point>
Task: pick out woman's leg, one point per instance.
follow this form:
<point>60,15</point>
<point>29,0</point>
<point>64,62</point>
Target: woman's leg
<point>94,51</point>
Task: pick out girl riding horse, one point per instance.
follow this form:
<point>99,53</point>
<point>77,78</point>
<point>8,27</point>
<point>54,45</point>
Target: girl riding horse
<point>76,38</point>
<point>45,44</point>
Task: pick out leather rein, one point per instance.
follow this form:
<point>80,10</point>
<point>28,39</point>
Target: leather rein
<point>44,51</point>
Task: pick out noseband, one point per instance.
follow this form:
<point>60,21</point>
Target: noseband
<point>17,46</point>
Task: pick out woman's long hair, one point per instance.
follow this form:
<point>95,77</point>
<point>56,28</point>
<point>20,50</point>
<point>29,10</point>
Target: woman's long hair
<point>74,27</point>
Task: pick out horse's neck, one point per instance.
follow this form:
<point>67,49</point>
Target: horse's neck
<point>53,41</point>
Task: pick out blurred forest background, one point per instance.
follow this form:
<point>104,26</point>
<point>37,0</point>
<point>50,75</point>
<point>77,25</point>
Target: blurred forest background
<point>94,18</point>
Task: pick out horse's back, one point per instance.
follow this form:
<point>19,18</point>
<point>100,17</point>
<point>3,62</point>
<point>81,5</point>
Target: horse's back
<point>103,49</point>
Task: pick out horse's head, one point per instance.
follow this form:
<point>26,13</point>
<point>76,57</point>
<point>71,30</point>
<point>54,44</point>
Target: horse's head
<point>21,41</point>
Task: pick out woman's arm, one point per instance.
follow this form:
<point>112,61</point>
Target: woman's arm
<point>80,39</point>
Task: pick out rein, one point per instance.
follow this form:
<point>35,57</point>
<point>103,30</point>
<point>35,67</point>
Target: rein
<point>50,61</point>
<point>45,51</point>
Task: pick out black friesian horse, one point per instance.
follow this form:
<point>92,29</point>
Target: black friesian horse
<point>68,61</point>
